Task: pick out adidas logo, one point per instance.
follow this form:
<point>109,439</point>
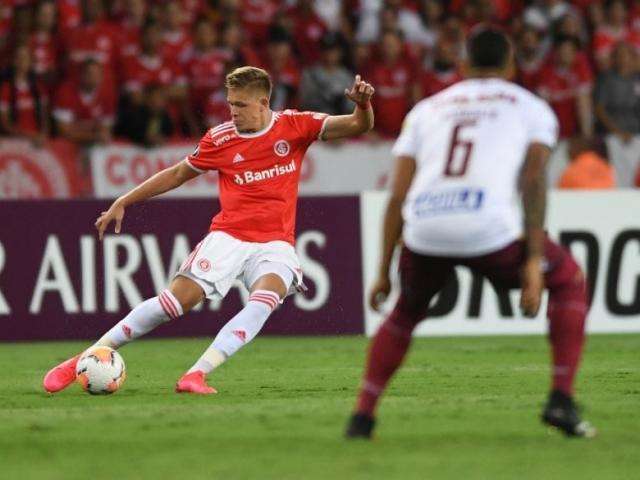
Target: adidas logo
<point>238,158</point>
<point>241,334</point>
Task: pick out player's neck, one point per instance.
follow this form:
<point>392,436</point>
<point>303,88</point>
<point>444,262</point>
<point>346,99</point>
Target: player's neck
<point>264,123</point>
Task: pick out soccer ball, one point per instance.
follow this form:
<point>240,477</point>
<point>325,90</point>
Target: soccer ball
<point>100,370</point>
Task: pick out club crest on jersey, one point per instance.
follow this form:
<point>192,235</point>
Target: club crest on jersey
<point>282,148</point>
<point>204,265</point>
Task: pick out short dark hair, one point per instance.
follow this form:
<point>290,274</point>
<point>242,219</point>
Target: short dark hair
<point>488,48</point>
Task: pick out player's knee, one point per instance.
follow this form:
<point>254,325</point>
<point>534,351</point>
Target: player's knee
<point>187,292</point>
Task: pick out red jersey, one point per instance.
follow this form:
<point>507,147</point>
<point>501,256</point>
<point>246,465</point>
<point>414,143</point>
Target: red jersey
<point>140,71</point>
<point>69,14</point>
<point>26,118</point>
<point>174,44</point>
<point>560,88</point>
<point>393,90</point>
<point>433,81</point>
<point>44,51</point>
<point>258,174</point>
<point>205,71</point>
<point>72,105</point>
<point>256,16</point>
<point>307,32</point>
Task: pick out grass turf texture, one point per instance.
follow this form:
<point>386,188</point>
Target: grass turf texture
<point>461,408</point>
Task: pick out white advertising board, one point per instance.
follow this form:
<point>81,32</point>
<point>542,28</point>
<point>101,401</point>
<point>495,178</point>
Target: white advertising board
<point>601,229</point>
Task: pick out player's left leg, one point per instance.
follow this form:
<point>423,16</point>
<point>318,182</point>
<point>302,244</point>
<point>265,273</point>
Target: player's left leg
<point>267,291</point>
<point>421,278</point>
<point>566,311</point>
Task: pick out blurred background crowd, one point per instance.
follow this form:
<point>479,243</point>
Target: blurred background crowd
<point>150,71</point>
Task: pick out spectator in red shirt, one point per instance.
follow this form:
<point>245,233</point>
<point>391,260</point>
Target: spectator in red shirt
<point>566,83</point>
<point>84,111</point>
<point>176,40</point>
<point>443,73</point>
<point>204,64</point>
<point>130,27</point>
<point>23,103</point>
<point>615,29</point>
<point>395,80</point>
<point>307,28</point>
<point>94,38</point>
<point>284,71</point>
<point>43,43</point>
<point>151,67</point>
<point>236,50</point>
<point>69,14</point>
<point>530,58</point>
<point>256,17</point>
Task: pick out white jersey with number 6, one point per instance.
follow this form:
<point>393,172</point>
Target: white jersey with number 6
<point>469,143</point>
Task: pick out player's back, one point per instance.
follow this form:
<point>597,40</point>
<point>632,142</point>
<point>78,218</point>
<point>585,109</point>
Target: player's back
<point>469,143</point>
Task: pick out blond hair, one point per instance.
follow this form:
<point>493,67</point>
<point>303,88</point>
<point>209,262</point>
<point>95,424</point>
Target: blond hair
<point>249,77</point>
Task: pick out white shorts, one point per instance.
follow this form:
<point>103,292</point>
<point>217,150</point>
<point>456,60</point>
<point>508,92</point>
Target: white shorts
<point>219,259</point>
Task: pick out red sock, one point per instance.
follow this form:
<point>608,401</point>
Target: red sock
<point>567,311</point>
<point>386,353</point>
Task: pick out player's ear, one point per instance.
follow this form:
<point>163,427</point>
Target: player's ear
<point>264,102</point>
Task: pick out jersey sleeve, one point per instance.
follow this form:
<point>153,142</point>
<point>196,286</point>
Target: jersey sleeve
<point>542,123</point>
<point>309,125</point>
<point>407,143</point>
<point>205,157</point>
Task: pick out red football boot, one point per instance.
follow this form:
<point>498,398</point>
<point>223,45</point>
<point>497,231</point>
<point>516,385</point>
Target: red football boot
<point>61,376</point>
<point>194,382</point>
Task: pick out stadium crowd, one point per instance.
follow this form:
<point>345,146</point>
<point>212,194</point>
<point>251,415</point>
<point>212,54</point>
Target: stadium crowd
<point>151,71</point>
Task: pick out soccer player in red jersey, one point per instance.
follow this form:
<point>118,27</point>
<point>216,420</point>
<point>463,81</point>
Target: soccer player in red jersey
<point>258,156</point>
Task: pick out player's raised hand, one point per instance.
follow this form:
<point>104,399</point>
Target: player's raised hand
<point>361,92</point>
<point>115,213</point>
<point>379,293</point>
<point>532,286</point>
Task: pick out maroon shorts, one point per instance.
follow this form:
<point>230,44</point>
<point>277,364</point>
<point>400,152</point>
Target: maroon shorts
<point>423,276</point>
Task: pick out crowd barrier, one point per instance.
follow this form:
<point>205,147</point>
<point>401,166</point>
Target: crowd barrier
<point>59,170</point>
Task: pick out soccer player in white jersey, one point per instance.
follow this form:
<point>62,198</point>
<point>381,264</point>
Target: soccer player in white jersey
<point>464,159</point>
<point>258,156</point>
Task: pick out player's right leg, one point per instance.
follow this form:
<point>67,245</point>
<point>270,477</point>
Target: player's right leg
<point>566,311</point>
<point>179,298</point>
<point>421,278</point>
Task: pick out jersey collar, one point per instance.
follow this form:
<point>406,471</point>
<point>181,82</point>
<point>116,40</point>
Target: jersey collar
<point>259,132</point>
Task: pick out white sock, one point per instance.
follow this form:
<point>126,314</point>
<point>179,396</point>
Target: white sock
<point>142,319</point>
<point>238,331</point>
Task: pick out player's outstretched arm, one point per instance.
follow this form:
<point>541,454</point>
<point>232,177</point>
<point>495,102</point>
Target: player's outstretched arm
<point>403,176</point>
<point>161,182</point>
<point>534,199</point>
<point>360,121</point>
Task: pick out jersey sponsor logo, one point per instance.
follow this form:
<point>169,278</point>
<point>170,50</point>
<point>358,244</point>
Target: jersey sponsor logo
<point>238,158</point>
<point>222,140</point>
<point>282,148</point>
<point>273,172</point>
<point>458,200</point>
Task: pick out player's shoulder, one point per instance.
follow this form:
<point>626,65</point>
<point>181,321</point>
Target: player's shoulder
<point>221,134</point>
<point>293,114</point>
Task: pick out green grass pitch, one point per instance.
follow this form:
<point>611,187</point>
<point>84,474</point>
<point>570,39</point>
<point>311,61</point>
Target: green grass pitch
<point>461,408</point>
